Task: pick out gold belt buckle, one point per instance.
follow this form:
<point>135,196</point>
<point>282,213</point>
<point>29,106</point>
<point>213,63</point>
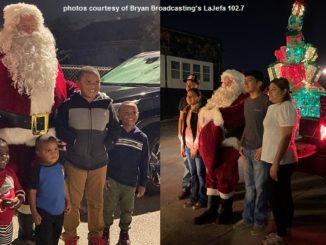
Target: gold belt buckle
<point>35,129</point>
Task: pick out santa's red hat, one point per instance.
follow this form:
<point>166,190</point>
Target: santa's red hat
<point>235,76</point>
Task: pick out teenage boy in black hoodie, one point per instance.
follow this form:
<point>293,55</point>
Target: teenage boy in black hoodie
<point>87,122</point>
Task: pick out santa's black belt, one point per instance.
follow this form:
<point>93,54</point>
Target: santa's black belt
<point>38,123</point>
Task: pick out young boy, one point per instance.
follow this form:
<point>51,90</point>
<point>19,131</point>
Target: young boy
<point>255,171</point>
<point>48,194</point>
<point>87,122</point>
<point>11,195</point>
<point>128,166</point>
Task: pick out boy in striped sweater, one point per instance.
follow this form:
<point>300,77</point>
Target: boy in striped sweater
<point>127,172</point>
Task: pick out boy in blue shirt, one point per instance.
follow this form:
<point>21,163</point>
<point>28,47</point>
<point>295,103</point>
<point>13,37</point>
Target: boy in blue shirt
<point>48,195</point>
<point>127,168</point>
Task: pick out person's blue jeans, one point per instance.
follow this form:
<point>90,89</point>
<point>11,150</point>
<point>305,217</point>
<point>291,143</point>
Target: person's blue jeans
<point>197,173</point>
<point>186,180</point>
<point>255,177</point>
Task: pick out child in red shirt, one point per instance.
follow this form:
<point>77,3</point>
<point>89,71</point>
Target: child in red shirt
<point>11,195</point>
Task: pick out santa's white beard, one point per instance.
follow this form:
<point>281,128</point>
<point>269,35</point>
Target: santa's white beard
<point>32,64</point>
<point>30,60</point>
<point>222,97</point>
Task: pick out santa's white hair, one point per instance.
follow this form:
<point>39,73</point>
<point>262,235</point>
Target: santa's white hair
<point>13,12</point>
<point>30,58</point>
<point>224,96</point>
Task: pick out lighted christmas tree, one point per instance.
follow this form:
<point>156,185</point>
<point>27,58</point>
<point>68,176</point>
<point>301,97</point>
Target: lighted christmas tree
<point>296,62</point>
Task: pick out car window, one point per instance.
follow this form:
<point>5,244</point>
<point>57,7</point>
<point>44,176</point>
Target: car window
<point>140,69</point>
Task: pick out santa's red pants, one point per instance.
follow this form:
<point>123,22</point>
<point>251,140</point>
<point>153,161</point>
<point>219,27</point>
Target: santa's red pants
<point>221,162</point>
<point>224,176</point>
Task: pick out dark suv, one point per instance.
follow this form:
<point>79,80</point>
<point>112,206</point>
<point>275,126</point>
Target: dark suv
<point>138,80</point>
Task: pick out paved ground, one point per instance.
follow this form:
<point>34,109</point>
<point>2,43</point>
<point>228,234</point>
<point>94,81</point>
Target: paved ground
<point>176,222</point>
<point>145,226</point>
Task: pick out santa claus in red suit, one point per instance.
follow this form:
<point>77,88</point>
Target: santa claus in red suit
<point>221,123</point>
<point>32,86</point>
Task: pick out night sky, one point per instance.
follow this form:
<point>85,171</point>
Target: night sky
<point>249,38</point>
<point>72,39</point>
<point>53,9</point>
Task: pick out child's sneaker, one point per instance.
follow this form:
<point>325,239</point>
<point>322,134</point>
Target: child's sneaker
<point>188,204</point>
<point>71,241</point>
<point>97,241</point>
<point>257,230</point>
<point>198,205</point>
<point>124,238</point>
<point>106,235</point>
<point>273,239</point>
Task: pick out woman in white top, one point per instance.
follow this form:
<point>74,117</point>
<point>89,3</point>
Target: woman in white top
<point>279,151</point>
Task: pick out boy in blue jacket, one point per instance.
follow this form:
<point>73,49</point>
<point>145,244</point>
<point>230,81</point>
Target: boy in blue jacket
<point>127,169</point>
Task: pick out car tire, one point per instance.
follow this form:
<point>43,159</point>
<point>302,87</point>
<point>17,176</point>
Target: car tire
<point>154,173</point>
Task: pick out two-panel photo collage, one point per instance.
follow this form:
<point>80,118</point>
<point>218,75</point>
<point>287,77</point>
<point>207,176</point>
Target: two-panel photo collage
<point>148,122</point>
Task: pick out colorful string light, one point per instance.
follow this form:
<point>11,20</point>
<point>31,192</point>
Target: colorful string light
<point>296,62</point>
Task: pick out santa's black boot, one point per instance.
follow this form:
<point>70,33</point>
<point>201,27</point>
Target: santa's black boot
<point>25,231</point>
<point>226,211</point>
<point>211,212</point>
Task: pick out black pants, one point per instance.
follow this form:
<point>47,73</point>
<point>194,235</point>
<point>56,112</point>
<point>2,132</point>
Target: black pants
<point>26,231</point>
<point>49,231</point>
<point>280,197</point>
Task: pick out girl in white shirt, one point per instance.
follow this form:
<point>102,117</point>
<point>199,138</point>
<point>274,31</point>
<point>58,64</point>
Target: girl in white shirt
<point>279,151</point>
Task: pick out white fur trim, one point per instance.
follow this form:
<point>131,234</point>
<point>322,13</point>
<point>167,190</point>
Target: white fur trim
<point>212,192</point>
<point>24,209</point>
<point>232,141</point>
<point>41,102</point>
<point>241,166</point>
<point>206,115</point>
<point>18,136</point>
<point>234,75</point>
<point>226,196</point>
<point>52,133</point>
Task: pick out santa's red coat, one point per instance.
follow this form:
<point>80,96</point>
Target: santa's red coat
<point>221,162</point>
<point>21,141</point>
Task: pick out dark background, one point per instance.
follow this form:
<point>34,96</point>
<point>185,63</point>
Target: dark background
<point>249,38</point>
<point>98,38</point>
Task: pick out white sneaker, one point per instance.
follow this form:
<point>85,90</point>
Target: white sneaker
<point>273,239</point>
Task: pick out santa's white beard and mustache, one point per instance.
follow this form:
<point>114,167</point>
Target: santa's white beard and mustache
<point>223,97</point>
<point>33,68</point>
<point>30,60</point>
